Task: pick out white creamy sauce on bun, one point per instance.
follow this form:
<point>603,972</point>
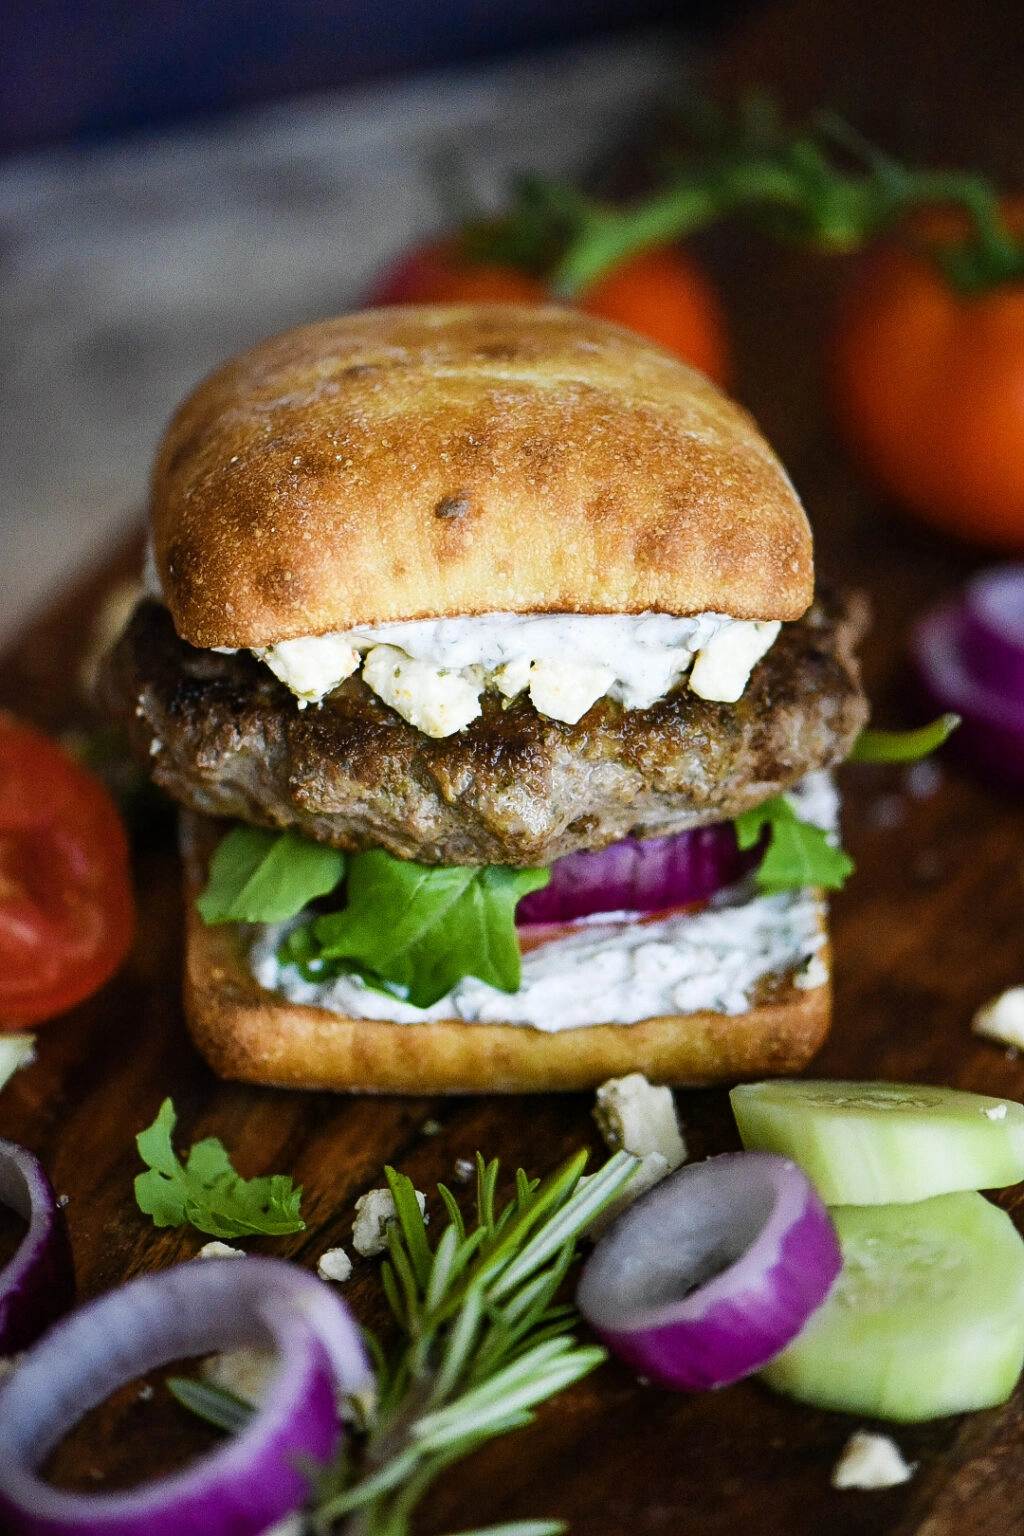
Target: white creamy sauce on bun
<point>433,671</point>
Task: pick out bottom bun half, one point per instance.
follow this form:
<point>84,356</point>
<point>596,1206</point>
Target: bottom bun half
<point>250,1034</point>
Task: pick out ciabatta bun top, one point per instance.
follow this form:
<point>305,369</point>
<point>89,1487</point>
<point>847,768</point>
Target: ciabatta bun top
<point>411,463</point>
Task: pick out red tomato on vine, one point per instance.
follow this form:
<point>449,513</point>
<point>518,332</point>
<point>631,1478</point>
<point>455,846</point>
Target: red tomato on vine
<point>929,390</point>
<point>665,295</point>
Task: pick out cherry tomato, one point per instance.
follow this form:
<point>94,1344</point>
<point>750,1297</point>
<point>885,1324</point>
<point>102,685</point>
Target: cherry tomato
<point>929,393</point>
<point>664,295</point>
<point>66,908</point>
<point>436,273</point>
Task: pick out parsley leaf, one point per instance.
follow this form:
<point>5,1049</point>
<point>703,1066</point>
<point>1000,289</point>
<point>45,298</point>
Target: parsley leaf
<point>258,876</point>
<point>207,1191</point>
<point>798,853</point>
<point>903,746</point>
<point>415,929</point>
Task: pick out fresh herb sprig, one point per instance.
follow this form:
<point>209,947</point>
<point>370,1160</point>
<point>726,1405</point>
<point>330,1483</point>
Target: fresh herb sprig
<point>206,1191</point>
<point>482,1342</point>
<point>798,854</point>
<point>819,183</point>
<point>443,923</point>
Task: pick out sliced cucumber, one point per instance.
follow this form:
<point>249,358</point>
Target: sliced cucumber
<point>875,1143</point>
<point>926,1318</point>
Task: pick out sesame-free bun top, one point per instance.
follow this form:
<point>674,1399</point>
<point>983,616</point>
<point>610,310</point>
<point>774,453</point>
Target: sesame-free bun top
<point>408,463</point>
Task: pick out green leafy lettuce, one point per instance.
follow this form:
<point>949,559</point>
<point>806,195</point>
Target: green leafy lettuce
<point>207,1191</point>
<point>798,853</point>
<point>257,876</point>
<point>415,930</point>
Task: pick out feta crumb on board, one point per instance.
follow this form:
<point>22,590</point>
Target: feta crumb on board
<point>15,1051</point>
<point>375,1212</point>
<point>1002,1018</point>
<point>246,1373</point>
<point>334,1264</point>
<point>871,1461</point>
<point>218,1250</point>
<point>634,1116</point>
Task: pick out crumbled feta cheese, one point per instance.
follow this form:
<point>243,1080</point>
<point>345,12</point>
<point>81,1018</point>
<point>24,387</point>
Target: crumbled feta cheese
<point>1002,1018</point>
<point>15,1051</point>
<point>725,663</point>
<point>565,691</point>
<point>513,677</point>
<point>375,1212</point>
<point>436,702</point>
<point>996,1112</point>
<point>464,1170</point>
<point>437,668</point>
<point>217,1250</point>
<point>635,1116</point>
<point>311,666</point>
<point>245,1372</point>
<point>334,1264</point>
<point>871,1461</point>
<point>812,974</point>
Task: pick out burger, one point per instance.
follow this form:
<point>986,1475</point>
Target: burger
<point>482,652</point>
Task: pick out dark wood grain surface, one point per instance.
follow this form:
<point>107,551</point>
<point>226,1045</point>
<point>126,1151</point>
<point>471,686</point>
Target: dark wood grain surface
<point>929,928</point>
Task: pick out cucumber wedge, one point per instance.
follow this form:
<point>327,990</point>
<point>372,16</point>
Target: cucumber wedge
<point>926,1318</point>
<point>879,1143</point>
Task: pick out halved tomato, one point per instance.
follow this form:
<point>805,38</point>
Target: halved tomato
<point>66,908</point>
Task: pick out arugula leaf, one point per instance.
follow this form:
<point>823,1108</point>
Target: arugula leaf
<point>206,1190</point>
<point>258,876</point>
<point>903,746</point>
<point>798,853</point>
<point>415,930</point>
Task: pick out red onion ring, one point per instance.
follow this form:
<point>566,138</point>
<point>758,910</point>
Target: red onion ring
<point>257,1477</point>
<point>640,875</point>
<point>713,1272</point>
<point>970,655</point>
<point>993,630</point>
<point>38,1284</point>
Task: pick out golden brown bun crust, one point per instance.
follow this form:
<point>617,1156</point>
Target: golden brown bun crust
<point>409,463</point>
<point>256,1036</point>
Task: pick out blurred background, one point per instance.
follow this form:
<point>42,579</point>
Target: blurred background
<point>179,179</point>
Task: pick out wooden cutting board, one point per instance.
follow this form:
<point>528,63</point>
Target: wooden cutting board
<point>928,929</point>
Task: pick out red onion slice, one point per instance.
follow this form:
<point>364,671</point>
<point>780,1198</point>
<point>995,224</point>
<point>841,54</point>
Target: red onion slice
<point>254,1479</point>
<point>39,1282</point>
<point>991,734</point>
<point>993,630</point>
<point>640,875</point>
<point>713,1271</point>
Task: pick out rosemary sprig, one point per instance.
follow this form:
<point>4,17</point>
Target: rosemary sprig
<point>483,1341</point>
